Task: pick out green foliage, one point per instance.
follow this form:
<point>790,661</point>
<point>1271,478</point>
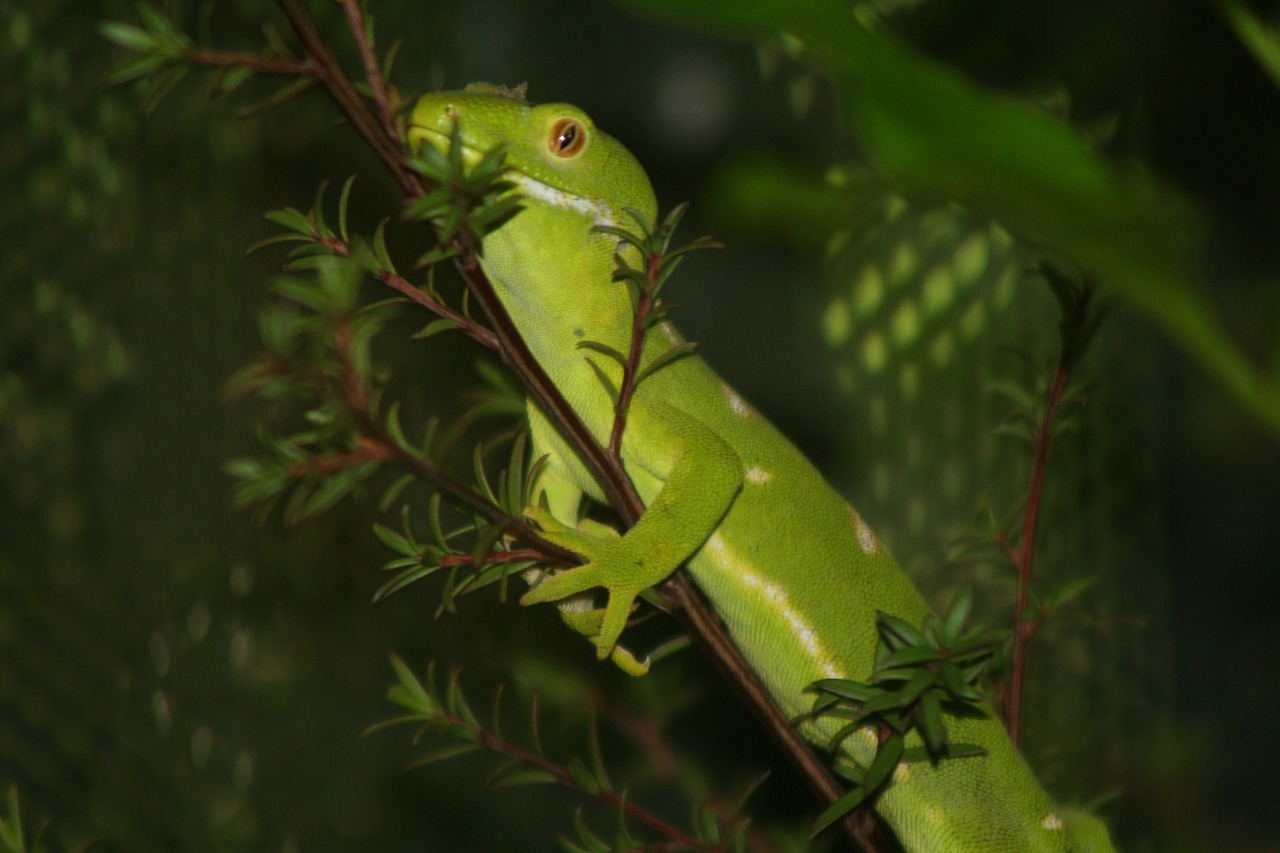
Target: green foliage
<point>482,558</point>
<point>935,134</point>
<point>319,356</point>
<point>320,360</point>
<point>442,712</point>
<point>920,675</point>
<point>166,56</point>
<point>652,246</point>
<point>462,200</point>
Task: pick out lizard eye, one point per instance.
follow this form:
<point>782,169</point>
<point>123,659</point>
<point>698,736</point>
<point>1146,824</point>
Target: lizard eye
<point>567,137</point>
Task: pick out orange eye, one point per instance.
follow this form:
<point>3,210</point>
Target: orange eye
<point>567,137</point>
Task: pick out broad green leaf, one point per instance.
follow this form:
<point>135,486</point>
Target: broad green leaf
<point>936,134</point>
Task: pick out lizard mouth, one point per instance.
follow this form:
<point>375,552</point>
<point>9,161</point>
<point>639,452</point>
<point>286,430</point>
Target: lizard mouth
<point>600,212</point>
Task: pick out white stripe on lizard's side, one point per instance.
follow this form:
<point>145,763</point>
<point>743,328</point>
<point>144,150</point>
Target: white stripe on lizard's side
<point>776,597</point>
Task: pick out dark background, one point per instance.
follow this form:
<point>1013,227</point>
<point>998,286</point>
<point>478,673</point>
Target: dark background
<point>173,677</point>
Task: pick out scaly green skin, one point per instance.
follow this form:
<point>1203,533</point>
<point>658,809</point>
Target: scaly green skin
<point>790,566</point>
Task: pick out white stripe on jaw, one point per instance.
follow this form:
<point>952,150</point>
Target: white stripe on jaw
<point>600,213</point>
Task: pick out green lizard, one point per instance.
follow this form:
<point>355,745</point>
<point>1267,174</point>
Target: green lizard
<point>791,568</point>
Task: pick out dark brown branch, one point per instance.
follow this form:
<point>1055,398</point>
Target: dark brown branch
<point>705,627</point>
<point>619,491</point>
<point>369,59</point>
<point>348,99</point>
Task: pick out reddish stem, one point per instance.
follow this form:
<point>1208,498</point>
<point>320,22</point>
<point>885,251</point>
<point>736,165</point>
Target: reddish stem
<point>413,293</point>
<point>679,840</point>
<point>1024,626</point>
<point>632,370</point>
<point>211,58</point>
<point>369,59</point>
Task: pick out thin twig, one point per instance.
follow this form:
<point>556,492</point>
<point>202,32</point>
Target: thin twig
<point>1025,626</point>
<point>209,58</point>
<point>369,58</point>
<point>639,328</point>
<point>679,839</point>
<point>418,296</point>
<point>348,99</point>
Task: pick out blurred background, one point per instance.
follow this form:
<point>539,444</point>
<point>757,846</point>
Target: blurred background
<point>173,676</point>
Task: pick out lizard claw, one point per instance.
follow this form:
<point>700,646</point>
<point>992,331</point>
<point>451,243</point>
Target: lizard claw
<point>608,566</point>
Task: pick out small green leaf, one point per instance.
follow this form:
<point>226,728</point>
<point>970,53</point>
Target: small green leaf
<point>957,613</point>
<point>317,211</point>
<point>128,36</point>
<point>136,69</point>
<point>604,349</point>
<point>419,699</point>
<point>582,776</point>
<point>435,327</point>
<point>380,248</point>
<point>886,758</point>
<point>442,755</point>
<point>908,657</point>
<point>677,352</point>
<point>609,387</point>
<point>707,827</point>
<point>930,720</point>
<point>912,690</point>
<point>599,773</point>
<point>1069,591</point>
<point>456,702</point>
<point>843,688</point>
<point>344,199</point>
<point>898,632</point>
<point>290,218</point>
<point>230,79</point>
<point>515,772</point>
<point>395,541</point>
<point>838,810</point>
<point>281,96</point>
<point>11,828</point>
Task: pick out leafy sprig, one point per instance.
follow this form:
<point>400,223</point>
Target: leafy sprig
<point>319,360</point>
<point>644,285</point>
<point>920,676</point>
<point>319,239</point>
<point>464,203</point>
<point>166,56</point>
<point>443,712</point>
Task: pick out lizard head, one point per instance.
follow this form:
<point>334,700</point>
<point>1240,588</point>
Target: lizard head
<point>555,154</point>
